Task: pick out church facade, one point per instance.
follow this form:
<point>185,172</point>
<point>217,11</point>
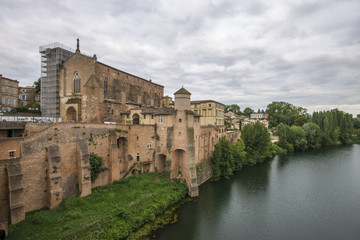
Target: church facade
<point>91,91</point>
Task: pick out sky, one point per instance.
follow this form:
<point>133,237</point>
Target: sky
<point>249,53</point>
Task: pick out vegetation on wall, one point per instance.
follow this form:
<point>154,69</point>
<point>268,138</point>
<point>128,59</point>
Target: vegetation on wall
<point>96,166</point>
<point>27,108</point>
<point>110,212</point>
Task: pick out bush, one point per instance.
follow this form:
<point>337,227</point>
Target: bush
<point>95,166</point>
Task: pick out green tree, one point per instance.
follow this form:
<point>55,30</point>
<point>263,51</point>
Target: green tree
<point>239,154</point>
<point>222,159</point>
<point>257,142</point>
<point>233,108</point>
<point>300,120</point>
<point>95,166</point>
<point>283,112</point>
<point>248,111</point>
<point>37,85</point>
<point>313,135</point>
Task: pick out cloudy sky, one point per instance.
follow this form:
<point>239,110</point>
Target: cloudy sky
<point>245,52</point>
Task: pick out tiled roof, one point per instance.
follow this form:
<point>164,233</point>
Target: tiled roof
<point>182,91</point>
<point>158,111</point>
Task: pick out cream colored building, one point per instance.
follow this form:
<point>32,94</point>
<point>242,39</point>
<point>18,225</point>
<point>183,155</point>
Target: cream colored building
<point>210,112</point>
<point>27,95</point>
<point>8,94</point>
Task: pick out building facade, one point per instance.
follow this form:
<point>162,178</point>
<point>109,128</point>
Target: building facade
<point>163,140</point>
<point>27,95</point>
<point>91,91</point>
<point>210,112</point>
<point>8,94</point>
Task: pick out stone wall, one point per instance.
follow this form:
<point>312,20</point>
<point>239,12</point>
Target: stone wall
<point>54,160</point>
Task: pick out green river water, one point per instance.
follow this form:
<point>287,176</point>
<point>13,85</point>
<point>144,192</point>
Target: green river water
<point>311,195</point>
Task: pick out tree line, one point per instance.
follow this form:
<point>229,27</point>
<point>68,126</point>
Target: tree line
<point>252,148</point>
<point>296,129</point>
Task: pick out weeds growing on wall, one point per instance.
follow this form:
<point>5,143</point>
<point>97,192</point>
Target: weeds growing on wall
<point>110,212</point>
<point>96,166</point>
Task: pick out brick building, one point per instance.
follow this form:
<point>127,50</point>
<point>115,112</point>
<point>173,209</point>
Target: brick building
<point>8,94</point>
<point>91,91</point>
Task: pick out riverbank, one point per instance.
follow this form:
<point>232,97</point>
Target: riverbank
<point>110,212</point>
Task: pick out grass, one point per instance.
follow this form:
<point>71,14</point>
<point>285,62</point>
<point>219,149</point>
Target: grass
<point>110,212</point>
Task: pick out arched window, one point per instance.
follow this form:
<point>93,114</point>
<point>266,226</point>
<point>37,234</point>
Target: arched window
<point>76,83</point>
<point>105,87</point>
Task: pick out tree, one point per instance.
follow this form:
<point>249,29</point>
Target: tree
<point>239,154</point>
<point>313,135</point>
<point>248,111</point>
<point>283,112</point>
<point>233,108</point>
<point>300,120</point>
<point>257,142</point>
<point>37,85</point>
<point>222,159</point>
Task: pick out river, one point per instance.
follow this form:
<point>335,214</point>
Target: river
<point>311,195</point>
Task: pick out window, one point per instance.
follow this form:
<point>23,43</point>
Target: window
<point>105,87</point>
<point>180,120</point>
<point>77,83</point>
<point>144,116</point>
<point>152,116</point>
<point>209,104</point>
<point>23,90</point>
<point>149,145</point>
<point>12,154</point>
<point>9,101</point>
<point>14,91</point>
<point>9,90</point>
<point>2,89</point>
<point>3,100</point>
<point>36,98</point>
<point>160,119</point>
<point>14,102</point>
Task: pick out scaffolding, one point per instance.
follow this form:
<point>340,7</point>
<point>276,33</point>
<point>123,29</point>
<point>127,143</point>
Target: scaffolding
<point>52,55</point>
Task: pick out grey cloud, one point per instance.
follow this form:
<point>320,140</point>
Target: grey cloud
<point>248,53</point>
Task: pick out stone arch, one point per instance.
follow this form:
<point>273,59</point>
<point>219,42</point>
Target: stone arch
<point>122,144</point>
<point>178,160</point>
<point>160,163</point>
<point>146,99</point>
<point>71,114</point>
<point>156,100</point>
<point>136,119</point>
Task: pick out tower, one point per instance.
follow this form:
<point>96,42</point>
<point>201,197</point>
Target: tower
<point>52,56</point>
<point>182,99</point>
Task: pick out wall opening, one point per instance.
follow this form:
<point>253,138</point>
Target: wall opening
<point>177,161</point>
<point>136,118</point>
<point>160,163</point>
<point>122,144</point>
<point>71,114</point>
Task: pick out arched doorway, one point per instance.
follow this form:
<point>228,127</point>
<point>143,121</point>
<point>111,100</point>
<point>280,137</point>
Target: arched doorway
<point>178,158</point>
<point>160,163</point>
<point>136,118</point>
<point>122,144</point>
<point>71,114</point>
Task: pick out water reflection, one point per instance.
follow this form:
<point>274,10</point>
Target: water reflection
<point>311,195</point>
